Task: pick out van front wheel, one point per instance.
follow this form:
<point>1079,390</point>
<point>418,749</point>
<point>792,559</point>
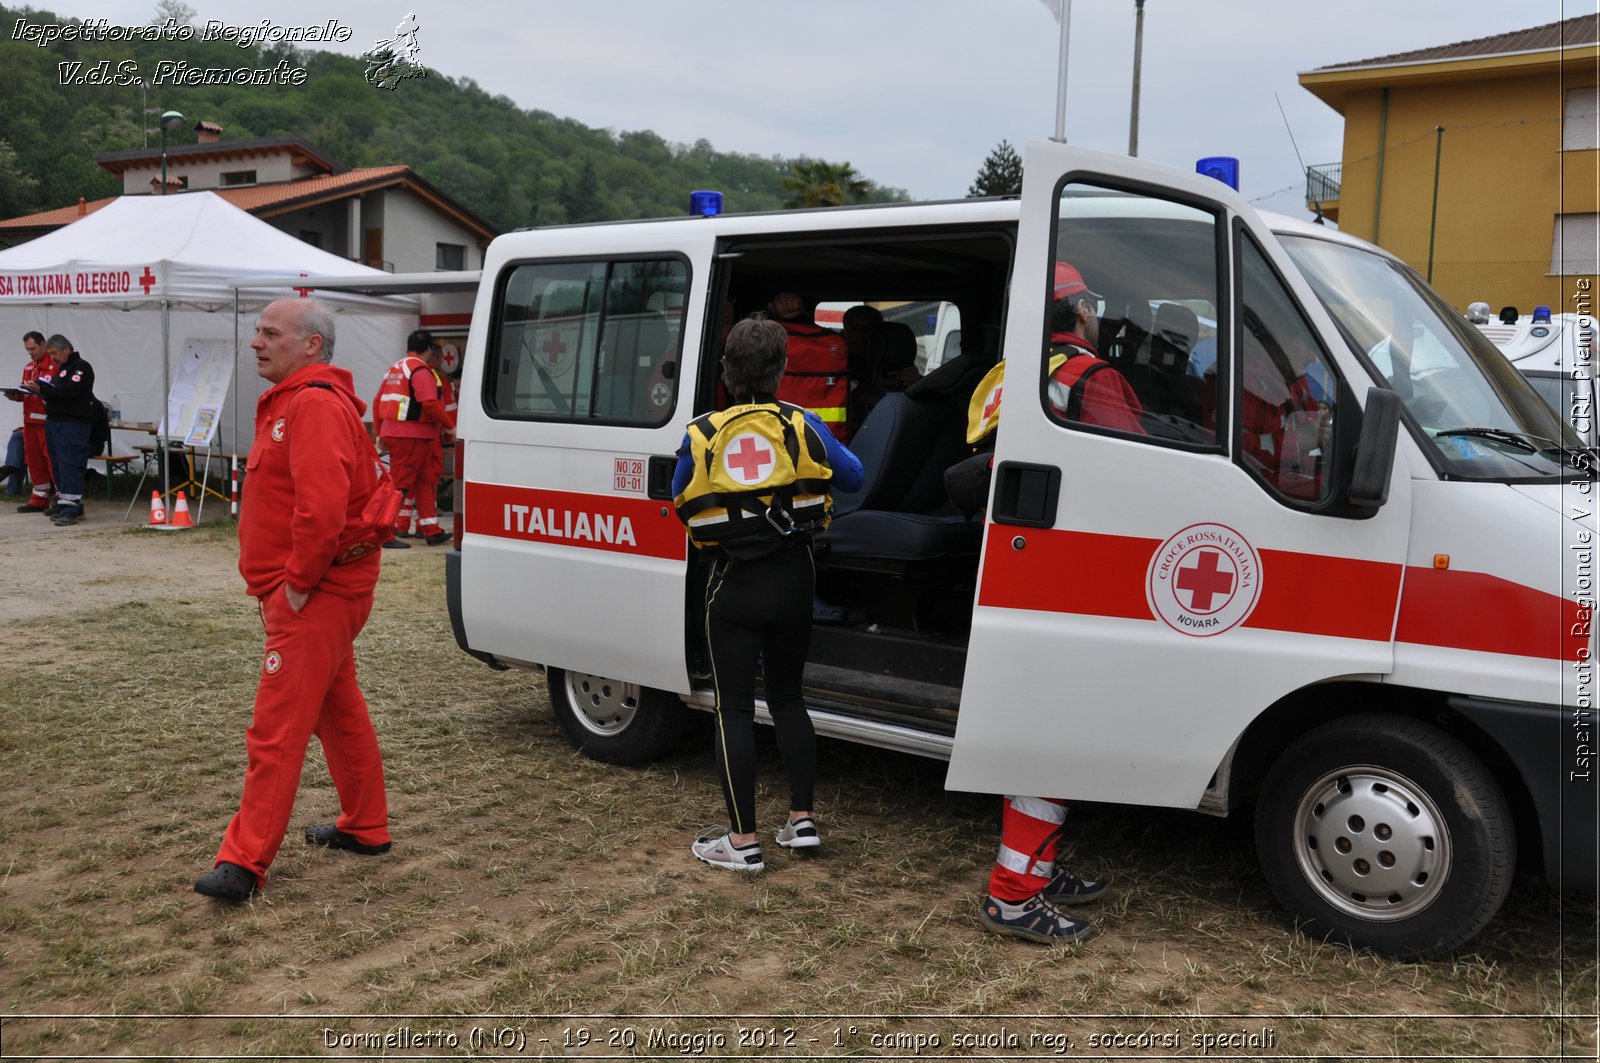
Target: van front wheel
<point>1385,833</point>
<point>612,721</point>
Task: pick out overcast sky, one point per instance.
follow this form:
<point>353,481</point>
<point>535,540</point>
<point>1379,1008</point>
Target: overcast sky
<point>914,93</point>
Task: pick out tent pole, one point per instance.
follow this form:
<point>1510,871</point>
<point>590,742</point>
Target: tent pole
<point>234,505</point>
<point>166,399</point>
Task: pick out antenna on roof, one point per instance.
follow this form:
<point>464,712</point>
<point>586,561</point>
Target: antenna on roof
<point>1315,205</point>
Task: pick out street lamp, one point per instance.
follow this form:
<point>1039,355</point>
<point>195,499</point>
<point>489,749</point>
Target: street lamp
<point>169,120</point>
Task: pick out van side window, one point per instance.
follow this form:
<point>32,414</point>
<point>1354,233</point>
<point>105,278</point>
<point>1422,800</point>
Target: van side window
<point>1133,316</point>
<point>588,341</point>
<point>1285,431</point>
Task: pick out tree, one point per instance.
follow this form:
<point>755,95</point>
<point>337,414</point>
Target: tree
<point>1001,174</point>
<point>815,183</point>
<point>179,12</point>
<point>580,193</point>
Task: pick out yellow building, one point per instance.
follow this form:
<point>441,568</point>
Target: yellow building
<point>1477,162</point>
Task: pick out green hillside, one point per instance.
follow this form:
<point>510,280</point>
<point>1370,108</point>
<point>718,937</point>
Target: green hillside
<point>514,167</point>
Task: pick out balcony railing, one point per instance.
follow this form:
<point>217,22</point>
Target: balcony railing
<point>1322,182</point>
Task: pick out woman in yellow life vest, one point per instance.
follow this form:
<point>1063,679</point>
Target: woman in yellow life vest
<point>752,486</point>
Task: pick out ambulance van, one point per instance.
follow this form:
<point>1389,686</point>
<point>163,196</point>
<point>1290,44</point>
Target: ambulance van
<point>1320,586</point>
<point>1556,352</point>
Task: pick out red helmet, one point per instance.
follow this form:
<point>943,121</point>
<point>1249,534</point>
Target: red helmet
<point>1070,283</point>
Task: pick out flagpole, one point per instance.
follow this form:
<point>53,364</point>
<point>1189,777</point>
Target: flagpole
<point>1138,51</point>
<point>1061,74</point>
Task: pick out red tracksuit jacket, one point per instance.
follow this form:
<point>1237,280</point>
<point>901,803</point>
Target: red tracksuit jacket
<point>307,480</point>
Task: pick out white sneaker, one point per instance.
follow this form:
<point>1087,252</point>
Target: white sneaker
<point>718,850</point>
<point>799,834</point>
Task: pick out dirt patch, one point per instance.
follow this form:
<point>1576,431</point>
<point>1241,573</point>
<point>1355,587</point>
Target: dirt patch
<point>536,894</point>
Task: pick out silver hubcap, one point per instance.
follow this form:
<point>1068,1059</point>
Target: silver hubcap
<point>1372,843</point>
<point>603,706</point>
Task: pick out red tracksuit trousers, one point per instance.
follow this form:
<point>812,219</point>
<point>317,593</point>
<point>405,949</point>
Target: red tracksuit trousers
<point>36,452</point>
<point>415,465</point>
<point>1029,833</point>
<point>308,687</point>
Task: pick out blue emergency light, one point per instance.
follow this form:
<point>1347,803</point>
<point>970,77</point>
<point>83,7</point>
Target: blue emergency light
<point>705,204</point>
<point>1541,314</point>
<point>1224,168</point>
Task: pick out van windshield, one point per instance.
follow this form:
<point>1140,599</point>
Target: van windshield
<point>1479,417</point>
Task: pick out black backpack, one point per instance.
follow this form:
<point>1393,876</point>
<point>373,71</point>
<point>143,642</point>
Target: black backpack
<point>99,427</point>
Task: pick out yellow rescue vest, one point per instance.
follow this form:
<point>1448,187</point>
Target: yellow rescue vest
<point>760,478</point>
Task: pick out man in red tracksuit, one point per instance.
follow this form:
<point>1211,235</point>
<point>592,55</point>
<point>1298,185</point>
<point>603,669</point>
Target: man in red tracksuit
<point>307,553</point>
<point>410,415</point>
<point>35,449</point>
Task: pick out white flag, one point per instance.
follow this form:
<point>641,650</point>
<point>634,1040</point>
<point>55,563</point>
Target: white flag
<point>1055,9</point>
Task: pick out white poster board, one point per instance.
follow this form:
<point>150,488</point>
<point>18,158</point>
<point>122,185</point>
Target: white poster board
<point>199,388</point>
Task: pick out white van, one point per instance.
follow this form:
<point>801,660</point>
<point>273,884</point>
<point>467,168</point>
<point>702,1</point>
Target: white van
<point>1290,594</point>
<point>1557,354</point>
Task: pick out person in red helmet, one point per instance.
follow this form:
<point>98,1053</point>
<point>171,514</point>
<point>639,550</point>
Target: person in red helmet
<point>1028,886</point>
<point>309,553</point>
<point>1083,386</point>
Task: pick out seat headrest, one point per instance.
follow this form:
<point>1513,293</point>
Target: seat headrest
<point>1177,324</point>
<point>899,346</point>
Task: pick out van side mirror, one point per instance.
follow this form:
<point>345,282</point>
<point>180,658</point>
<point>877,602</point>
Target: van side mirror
<point>1374,459</point>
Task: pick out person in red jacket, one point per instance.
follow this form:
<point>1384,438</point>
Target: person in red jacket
<point>1028,885</point>
<point>410,416</point>
<point>35,450</point>
<point>817,374</point>
<point>1083,386</point>
<point>307,553</point>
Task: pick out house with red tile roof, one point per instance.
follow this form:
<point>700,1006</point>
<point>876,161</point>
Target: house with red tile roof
<point>388,217</point>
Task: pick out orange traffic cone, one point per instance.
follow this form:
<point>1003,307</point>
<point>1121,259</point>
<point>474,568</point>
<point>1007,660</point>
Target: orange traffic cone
<point>180,513</point>
<point>158,510</point>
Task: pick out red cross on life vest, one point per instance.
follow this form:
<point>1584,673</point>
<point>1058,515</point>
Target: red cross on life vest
<point>1204,580</point>
<point>147,280</point>
<point>747,459</point>
<point>993,404</point>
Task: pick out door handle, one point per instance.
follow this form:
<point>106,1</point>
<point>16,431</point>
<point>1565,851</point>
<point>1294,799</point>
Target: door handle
<point>658,476</point>
<point>1025,494</point>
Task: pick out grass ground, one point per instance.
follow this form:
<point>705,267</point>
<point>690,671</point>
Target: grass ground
<point>535,894</point>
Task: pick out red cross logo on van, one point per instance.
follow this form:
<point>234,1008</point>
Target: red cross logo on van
<point>747,459</point>
<point>1205,579</point>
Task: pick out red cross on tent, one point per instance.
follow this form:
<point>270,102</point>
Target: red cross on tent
<point>305,291</point>
<point>147,280</point>
<point>1204,580</point>
<point>746,459</point>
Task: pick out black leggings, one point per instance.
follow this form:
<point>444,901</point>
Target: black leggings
<point>761,609</point>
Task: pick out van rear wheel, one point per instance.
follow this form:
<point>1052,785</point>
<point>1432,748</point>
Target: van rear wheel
<point>612,721</point>
<point>1385,833</point>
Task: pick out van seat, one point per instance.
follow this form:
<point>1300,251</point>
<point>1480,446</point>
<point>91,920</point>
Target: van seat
<point>902,537</point>
<point>900,513</point>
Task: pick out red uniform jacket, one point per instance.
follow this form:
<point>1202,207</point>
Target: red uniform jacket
<point>818,374</point>
<point>1104,397</point>
<point>309,476</point>
<point>33,405</point>
<point>409,402</point>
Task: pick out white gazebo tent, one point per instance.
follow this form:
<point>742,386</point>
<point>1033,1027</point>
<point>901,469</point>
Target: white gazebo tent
<point>132,282</point>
